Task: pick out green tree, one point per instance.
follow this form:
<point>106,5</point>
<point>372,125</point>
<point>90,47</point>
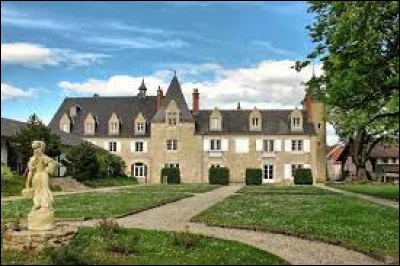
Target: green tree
<point>36,130</point>
<point>358,45</point>
<point>82,162</point>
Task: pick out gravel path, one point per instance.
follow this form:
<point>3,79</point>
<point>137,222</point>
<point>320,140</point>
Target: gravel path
<point>175,217</point>
<point>373,199</point>
<point>103,189</point>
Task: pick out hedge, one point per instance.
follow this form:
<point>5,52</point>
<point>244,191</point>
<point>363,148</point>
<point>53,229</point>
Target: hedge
<point>303,176</point>
<point>253,176</point>
<point>219,175</point>
<point>173,175</point>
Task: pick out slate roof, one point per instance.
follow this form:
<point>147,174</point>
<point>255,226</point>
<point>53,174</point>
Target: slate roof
<point>10,128</point>
<point>274,122</point>
<point>385,150</point>
<point>127,108</point>
<point>174,92</point>
<point>388,168</point>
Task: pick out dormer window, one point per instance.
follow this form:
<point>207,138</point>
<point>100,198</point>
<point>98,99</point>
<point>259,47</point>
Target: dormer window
<point>255,122</point>
<point>114,127</point>
<point>65,123</point>
<point>296,122</point>
<point>172,118</point>
<point>216,123</point>
<point>114,124</point>
<point>140,127</point>
<point>89,128</point>
<point>65,128</point>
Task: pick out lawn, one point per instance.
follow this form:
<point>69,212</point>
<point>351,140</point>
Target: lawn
<point>14,185</point>
<point>96,204</point>
<point>390,192</point>
<point>319,214</point>
<point>110,182</point>
<point>188,188</point>
<point>93,246</point>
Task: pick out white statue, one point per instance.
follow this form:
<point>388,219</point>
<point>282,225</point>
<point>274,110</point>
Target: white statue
<point>40,167</point>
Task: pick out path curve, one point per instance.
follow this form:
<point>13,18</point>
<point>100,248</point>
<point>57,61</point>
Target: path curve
<point>176,217</point>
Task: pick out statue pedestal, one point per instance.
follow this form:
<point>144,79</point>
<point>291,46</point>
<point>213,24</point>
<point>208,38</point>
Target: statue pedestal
<point>41,220</point>
<point>24,239</point>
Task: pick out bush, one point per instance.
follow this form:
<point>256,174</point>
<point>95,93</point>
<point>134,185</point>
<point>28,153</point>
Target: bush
<point>303,176</point>
<point>173,175</point>
<point>218,176</point>
<point>253,176</point>
<point>6,173</point>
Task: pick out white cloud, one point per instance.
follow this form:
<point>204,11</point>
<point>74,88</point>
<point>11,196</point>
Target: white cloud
<point>137,43</point>
<point>35,55</point>
<point>9,92</point>
<point>331,137</point>
<point>269,47</point>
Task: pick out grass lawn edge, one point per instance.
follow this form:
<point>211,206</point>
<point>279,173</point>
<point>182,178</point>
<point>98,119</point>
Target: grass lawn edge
<point>387,259</point>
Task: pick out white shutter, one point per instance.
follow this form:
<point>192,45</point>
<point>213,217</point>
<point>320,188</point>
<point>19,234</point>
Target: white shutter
<point>288,171</point>
<point>288,145</point>
<point>118,146</point>
<point>306,143</point>
<point>307,166</point>
<point>278,145</point>
<point>144,146</point>
<point>259,145</point>
<point>206,145</point>
<point>225,144</point>
<point>242,145</point>
<point>106,145</point>
<point>133,143</point>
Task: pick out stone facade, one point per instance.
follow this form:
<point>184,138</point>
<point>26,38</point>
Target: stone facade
<point>200,139</point>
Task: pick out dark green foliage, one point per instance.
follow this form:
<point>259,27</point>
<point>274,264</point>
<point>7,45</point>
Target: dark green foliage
<point>68,255</point>
<point>36,130</point>
<point>173,175</point>
<point>218,175</point>
<point>303,176</point>
<point>87,162</point>
<point>253,176</point>
<point>185,240</point>
<point>107,228</point>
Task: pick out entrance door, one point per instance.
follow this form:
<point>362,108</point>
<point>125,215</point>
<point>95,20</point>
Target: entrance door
<point>139,170</point>
<point>268,173</point>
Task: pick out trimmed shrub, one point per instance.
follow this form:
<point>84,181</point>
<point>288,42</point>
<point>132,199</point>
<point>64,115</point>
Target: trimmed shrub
<point>172,174</point>
<point>303,176</point>
<point>218,176</point>
<point>253,176</point>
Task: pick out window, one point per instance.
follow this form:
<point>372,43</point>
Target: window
<point>171,165</point>
<point>216,166</point>
<point>297,145</point>
<point>114,127</point>
<point>215,145</point>
<point>139,146</point>
<point>385,160</point>
<point>255,122</point>
<point>139,170</point>
<point>268,171</point>
<point>140,127</point>
<point>268,145</point>
<point>112,146</point>
<point>394,160</point>
<point>172,145</point>
<point>172,118</point>
<point>89,127</point>
<point>216,123</point>
<point>296,122</point>
<point>296,166</point>
<point>65,128</point>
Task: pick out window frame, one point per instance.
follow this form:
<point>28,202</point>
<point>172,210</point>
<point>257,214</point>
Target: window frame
<point>297,145</point>
<point>268,171</point>
<point>111,147</point>
<point>215,145</point>
<point>172,118</point>
<point>267,145</point>
<point>139,144</point>
<point>172,144</point>
<point>114,127</point>
<point>141,127</point>
<point>216,123</point>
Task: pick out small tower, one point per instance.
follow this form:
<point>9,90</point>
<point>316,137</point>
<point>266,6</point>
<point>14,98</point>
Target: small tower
<point>238,106</point>
<point>142,90</point>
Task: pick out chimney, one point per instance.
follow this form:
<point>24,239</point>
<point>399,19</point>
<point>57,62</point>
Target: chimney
<point>307,105</point>
<point>195,109</point>
<point>159,97</point>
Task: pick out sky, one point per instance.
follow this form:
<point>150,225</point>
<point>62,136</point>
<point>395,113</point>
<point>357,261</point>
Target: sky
<point>230,51</point>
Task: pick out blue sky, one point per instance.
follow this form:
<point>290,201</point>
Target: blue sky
<point>231,51</point>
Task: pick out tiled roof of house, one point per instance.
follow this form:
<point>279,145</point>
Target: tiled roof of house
<point>127,108</point>
<point>334,152</point>
<point>10,128</point>
<point>174,92</point>
<point>385,150</point>
<point>388,168</point>
<point>274,122</point>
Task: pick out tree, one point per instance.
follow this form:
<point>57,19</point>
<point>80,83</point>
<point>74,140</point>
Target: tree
<point>358,45</point>
<point>82,162</point>
<point>36,130</point>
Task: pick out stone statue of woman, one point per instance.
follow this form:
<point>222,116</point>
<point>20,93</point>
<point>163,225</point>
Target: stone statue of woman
<point>40,167</point>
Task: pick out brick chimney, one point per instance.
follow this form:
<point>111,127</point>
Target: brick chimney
<point>307,103</point>
<point>195,109</point>
<point>159,97</point>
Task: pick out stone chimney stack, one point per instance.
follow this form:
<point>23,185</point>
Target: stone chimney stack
<point>307,105</point>
<point>159,97</point>
<point>196,95</point>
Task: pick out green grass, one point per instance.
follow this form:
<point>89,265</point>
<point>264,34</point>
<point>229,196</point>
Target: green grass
<point>95,204</point>
<point>151,247</point>
<point>13,186</point>
<point>110,182</point>
<point>355,222</point>
<point>390,192</point>
<point>188,188</point>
